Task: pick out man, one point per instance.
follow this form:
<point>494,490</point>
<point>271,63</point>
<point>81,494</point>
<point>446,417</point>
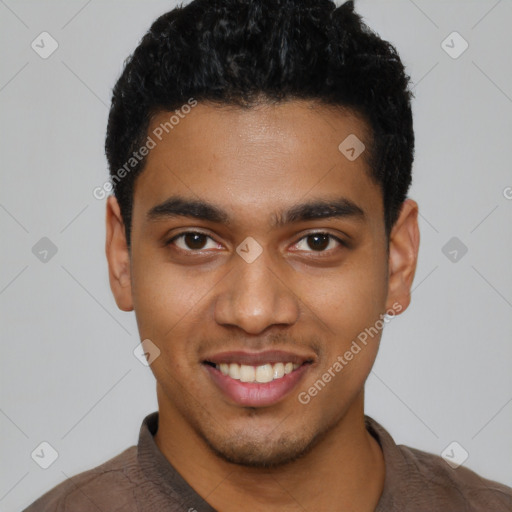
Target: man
<point>261,154</point>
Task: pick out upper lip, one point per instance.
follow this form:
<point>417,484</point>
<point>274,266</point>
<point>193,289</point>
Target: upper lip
<point>258,358</point>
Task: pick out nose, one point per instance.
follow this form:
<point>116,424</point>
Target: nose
<point>254,296</point>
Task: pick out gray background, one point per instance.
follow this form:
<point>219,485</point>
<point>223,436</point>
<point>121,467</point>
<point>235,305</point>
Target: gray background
<point>68,373</point>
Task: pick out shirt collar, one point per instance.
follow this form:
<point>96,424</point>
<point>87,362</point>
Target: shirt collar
<point>164,485</point>
<point>396,466</point>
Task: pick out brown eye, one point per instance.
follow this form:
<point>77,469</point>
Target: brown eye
<point>319,242</point>
<point>192,241</point>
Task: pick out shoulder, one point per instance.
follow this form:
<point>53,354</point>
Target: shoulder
<point>102,487</point>
<point>417,481</point>
<point>448,486</point>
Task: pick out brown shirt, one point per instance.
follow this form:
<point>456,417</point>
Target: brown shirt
<point>140,479</point>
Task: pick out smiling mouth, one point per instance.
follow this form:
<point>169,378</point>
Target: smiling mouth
<point>262,379</point>
<point>261,374</point>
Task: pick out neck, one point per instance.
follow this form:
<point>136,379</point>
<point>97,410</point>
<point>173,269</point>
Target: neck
<point>347,462</point>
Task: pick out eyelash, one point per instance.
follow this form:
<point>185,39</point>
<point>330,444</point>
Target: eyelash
<point>184,233</point>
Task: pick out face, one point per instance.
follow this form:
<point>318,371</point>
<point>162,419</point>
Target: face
<point>259,255</point>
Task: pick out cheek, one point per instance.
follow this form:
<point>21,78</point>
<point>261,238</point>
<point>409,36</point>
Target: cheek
<point>164,299</point>
<point>350,299</point>
<point>357,303</point>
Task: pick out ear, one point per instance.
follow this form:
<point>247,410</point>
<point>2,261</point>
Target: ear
<point>118,256</point>
<point>404,241</point>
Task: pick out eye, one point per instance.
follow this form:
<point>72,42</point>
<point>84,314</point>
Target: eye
<point>319,242</point>
<point>192,241</point>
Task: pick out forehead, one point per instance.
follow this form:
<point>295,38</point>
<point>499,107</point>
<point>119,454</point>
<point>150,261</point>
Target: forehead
<point>301,128</point>
<point>253,159</point>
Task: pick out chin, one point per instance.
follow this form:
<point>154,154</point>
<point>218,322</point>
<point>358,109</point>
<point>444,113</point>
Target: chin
<point>244,450</point>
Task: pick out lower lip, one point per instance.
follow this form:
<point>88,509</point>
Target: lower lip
<point>255,394</point>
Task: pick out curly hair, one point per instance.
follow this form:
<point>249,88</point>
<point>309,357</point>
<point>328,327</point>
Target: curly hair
<point>242,52</point>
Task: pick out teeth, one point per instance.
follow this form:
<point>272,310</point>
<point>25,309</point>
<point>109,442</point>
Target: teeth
<point>278,370</point>
<point>262,374</point>
<point>247,373</point>
<point>234,371</point>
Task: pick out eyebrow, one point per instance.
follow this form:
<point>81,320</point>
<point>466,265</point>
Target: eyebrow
<point>177,206</point>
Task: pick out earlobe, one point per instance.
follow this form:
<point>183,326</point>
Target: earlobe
<point>404,243</point>
<point>118,256</point>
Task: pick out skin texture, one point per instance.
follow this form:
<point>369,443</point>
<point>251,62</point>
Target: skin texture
<point>255,164</point>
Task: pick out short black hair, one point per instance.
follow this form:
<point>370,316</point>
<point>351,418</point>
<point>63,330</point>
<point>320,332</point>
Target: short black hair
<point>236,52</point>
